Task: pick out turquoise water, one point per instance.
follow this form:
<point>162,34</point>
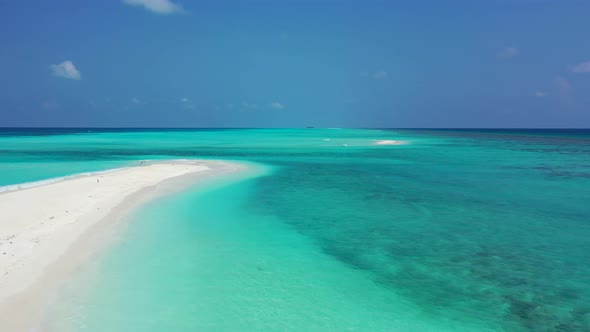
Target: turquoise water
<point>456,230</point>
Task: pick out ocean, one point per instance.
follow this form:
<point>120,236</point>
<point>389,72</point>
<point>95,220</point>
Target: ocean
<point>455,230</point>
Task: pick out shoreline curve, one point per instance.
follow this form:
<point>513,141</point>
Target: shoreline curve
<point>50,229</point>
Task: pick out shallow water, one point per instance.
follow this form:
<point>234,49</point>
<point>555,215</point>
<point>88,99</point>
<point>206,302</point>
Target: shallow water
<point>457,230</point>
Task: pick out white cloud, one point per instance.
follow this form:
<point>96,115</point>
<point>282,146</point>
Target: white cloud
<point>66,69</point>
<point>186,103</point>
<point>248,105</point>
<point>381,74</point>
<point>276,105</point>
<point>539,94</point>
<point>583,67</point>
<point>157,6</point>
<point>508,52</point>
<point>137,101</point>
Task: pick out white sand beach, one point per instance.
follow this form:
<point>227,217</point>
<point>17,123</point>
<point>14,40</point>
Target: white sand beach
<point>43,229</point>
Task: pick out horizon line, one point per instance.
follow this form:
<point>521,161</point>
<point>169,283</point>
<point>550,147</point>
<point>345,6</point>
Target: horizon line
<point>396,128</point>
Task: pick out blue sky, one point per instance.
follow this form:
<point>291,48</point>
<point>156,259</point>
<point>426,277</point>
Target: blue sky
<point>287,63</point>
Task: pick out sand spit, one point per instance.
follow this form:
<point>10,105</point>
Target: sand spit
<point>42,228</point>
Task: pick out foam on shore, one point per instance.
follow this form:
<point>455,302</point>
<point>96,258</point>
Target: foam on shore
<point>32,184</point>
<point>390,142</point>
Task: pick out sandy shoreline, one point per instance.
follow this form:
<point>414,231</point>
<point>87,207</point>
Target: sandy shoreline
<point>44,230</point>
